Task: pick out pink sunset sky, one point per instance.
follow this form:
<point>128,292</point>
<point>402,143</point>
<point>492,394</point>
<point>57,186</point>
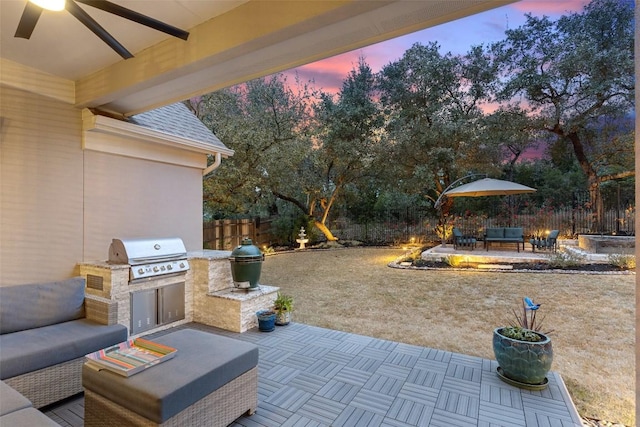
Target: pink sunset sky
<point>456,37</point>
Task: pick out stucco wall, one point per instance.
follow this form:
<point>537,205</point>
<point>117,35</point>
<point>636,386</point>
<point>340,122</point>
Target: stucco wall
<point>61,205</point>
<point>134,198</point>
<point>41,188</point>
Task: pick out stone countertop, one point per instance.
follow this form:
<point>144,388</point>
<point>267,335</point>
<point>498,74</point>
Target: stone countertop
<point>244,295</point>
<point>105,264</point>
<point>208,254</point>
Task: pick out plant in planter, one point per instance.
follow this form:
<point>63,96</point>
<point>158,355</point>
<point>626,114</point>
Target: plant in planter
<point>266,320</point>
<point>283,306</point>
<point>524,354</point>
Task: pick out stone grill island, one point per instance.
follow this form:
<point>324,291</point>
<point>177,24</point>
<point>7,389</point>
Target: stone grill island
<point>210,296</point>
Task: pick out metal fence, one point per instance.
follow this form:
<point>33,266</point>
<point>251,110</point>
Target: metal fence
<point>414,225</point>
<point>417,226</point>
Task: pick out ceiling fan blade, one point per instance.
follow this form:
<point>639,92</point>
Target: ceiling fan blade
<point>134,16</point>
<point>28,20</point>
<point>97,29</point>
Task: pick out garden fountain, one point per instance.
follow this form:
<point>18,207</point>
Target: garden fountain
<point>302,240</point>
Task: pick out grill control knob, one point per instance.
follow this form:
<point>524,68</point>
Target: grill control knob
<point>162,268</point>
<point>169,267</point>
<point>141,271</point>
<point>182,265</point>
<point>155,269</point>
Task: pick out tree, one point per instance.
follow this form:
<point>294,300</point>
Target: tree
<point>346,148</point>
<point>435,121</point>
<point>511,129</point>
<point>573,76</point>
<point>265,122</point>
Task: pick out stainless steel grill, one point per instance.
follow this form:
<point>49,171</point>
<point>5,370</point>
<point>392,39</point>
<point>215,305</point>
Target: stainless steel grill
<point>150,257</point>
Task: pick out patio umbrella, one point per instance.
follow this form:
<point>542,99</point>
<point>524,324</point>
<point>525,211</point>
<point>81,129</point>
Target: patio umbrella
<point>488,187</point>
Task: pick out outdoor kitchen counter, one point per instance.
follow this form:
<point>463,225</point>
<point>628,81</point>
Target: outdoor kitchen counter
<point>209,254</point>
<point>216,301</point>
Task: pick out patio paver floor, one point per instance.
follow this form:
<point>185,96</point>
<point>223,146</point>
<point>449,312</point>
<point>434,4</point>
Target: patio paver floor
<point>311,376</point>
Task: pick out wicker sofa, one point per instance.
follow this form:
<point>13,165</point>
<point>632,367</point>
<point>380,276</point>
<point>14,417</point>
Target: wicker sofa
<point>46,330</point>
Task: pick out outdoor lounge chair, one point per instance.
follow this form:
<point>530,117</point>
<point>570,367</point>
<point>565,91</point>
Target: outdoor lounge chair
<point>462,241</point>
<point>551,242</point>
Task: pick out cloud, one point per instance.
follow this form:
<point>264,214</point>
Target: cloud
<point>456,37</point>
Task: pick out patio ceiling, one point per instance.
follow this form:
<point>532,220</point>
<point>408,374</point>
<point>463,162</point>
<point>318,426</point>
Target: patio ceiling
<point>231,41</point>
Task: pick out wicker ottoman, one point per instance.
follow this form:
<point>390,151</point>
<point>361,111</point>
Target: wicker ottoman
<point>211,381</point>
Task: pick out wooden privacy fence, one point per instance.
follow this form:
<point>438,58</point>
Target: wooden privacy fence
<point>226,234</point>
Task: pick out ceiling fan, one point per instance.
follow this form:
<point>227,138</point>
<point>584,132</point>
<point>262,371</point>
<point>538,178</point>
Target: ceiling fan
<point>34,8</point>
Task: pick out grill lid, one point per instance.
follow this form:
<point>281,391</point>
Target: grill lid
<point>144,251</point>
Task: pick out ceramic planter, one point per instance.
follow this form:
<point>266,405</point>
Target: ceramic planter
<point>283,318</point>
<point>524,363</point>
<point>266,320</point>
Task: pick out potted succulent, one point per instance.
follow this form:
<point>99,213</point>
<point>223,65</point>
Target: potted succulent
<point>283,306</point>
<point>266,320</point>
<point>524,354</point>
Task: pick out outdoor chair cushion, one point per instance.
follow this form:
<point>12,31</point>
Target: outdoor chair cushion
<point>39,348</point>
<point>32,306</point>
<point>494,233</point>
<point>11,400</point>
<point>27,417</point>
<point>513,233</point>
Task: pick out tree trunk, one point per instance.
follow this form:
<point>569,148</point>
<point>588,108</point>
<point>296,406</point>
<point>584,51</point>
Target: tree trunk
<point>592,178</point>
<point>327,233</point>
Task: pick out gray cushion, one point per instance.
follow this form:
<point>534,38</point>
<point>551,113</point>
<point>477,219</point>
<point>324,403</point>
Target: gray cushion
<point>35,305</point>
<point>204,362</point>
<point>11,400</point>
<point>513,233</point>
<point>33,349</point>
<point>494,233</point>
<point>29,417</point>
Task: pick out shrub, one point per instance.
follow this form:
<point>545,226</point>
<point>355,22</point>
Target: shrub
<point>565,259</point>
<point>624,262</point>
